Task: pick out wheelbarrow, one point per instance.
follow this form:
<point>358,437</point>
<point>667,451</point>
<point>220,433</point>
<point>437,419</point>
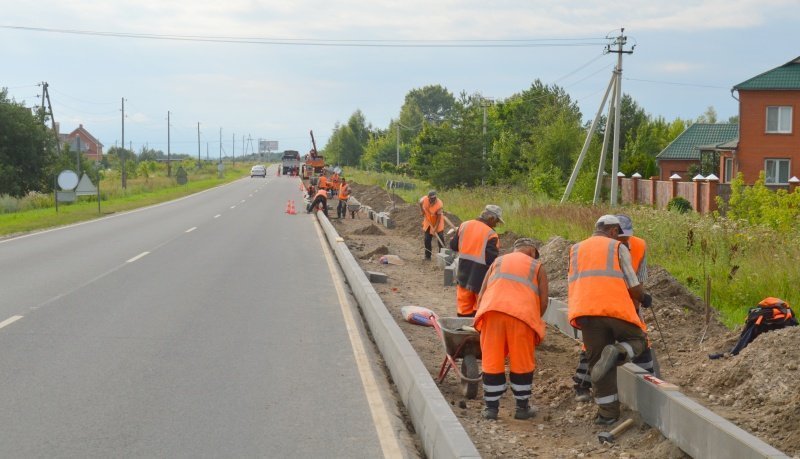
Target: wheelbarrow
<point>460,341</point>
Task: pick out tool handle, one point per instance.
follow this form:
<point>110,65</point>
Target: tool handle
<point>622,427</point>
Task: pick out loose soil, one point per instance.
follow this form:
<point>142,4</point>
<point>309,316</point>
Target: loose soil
<point>753,390</point>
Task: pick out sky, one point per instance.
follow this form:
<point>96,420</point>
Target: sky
<point>273,70</point>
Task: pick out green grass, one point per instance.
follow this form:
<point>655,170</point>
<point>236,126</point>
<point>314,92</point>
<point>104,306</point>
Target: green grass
<point>140,192</point>
<point>745,263</point>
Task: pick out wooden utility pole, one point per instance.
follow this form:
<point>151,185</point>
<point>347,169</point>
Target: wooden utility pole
<point>123,157</point>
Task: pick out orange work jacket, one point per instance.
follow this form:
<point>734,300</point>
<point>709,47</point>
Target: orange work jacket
<point>429,211</point>
<point>512,287</point>
<point>344,191</point>
<point>322,193</point>
<point>322,182</point>
<point>473,236</point>
<point>597,284</point>
<point>638,248</point>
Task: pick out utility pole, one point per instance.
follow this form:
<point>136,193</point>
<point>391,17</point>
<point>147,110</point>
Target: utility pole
<point>206,151</point>
<point>398,143</point>
<point>169,163</point>
<point>78,155</point>
<point>198,145</point>
<point>124,159</point>
<point>484,103</point>
<point>46,97</point>
<point>616,85</point>
<point>220,145</point>
<point>233,148</point>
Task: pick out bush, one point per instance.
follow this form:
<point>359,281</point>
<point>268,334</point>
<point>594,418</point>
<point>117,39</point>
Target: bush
<point>679,204</point>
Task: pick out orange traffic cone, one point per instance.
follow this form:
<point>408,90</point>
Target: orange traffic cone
<point>288,206</point>
<point>291,207</point>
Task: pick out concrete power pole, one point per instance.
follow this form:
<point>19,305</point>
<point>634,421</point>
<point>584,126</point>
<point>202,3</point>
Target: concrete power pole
<point>616,85</point>
<point>198,145</point>
<point>124,157</point>
<point>169,163</point>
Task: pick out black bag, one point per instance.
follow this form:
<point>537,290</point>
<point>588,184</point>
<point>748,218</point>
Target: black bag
<point>770,314</point>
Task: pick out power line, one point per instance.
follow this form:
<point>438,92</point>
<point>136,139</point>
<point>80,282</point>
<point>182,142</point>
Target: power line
<point>675,83</point>
<point>393,43</point>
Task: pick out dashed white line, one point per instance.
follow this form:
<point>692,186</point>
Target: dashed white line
<point>137,257</point>
<point>191,229</point>
<point>250,196</point>
<point>233,207</point>
<point>242,200</point>
<point>217,216</point>
<point>9,321</point>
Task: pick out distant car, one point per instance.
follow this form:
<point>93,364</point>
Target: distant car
<point>258,171</point>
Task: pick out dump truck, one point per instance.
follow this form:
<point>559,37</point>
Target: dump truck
<point>290,163</point>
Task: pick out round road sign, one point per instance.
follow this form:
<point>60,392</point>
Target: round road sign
<point>67,180</point>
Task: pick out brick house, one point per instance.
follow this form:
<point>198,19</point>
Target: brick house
<point>701,144</point>
<point>91,148</point>
<point>770,133</point>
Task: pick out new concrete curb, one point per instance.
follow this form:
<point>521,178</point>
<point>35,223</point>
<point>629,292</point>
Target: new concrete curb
<point>694,428</point>
<point>441,434</point>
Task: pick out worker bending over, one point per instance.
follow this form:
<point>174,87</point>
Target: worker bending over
<point>638,249</point>
<point>343,196</point>
<point>512,300</point>
<point>603,290</point>
<point>320,199</point>
<point>322,182</point>
<point>477,245</point>
<point>432,211</point>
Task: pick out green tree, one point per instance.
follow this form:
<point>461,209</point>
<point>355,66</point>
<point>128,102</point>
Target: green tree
<point>346,145</point>
<point>434,102</point>
<point>27,149</point>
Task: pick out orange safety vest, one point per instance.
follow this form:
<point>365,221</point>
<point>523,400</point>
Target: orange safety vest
<point>322,182</point>
<point>597,284</point>
<point>512,287</point>
<point>322,193</point>
<point>344,191</point>
<point>473,237</point>
<point>638,249</point>
<point>430,212</point>
<point>335,178</point>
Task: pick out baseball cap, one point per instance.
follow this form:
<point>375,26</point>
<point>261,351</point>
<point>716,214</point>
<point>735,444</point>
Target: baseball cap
<point>523,242</point>
<point>625,224</point>
<point>432,193</point>
<point>496,211</point>
<point>608,220</point>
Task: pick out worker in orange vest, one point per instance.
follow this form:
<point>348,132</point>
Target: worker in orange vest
<point>603,291</point>
<point>646,361</point>
<point>431,208</point>
<point>322,182</point>
<point>320,199</point>
<point>477,245</point>
<point>343,195</point>
<point>511,303</point>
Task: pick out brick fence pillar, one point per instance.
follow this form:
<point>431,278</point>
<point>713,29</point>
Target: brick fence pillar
<point>696,201</point>
<point>712,190</point>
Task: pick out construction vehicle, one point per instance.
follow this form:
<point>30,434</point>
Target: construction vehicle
<point>290,163</point>
<point>314,164</point>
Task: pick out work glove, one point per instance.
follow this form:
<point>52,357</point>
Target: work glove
<point>647,300</point>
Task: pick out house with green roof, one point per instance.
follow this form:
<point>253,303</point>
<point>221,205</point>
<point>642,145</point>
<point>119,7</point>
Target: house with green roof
<point>769,134</point>
<point>697,149</point>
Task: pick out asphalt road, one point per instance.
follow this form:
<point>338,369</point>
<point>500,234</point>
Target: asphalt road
<point>203,327</point>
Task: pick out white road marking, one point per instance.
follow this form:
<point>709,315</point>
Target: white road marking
<point>217,216</point>
<point>386,436</point>
<point>233,207</point>
<point>251,195</point>
<point>191,229</point>
<point>242,200</point>
<point>9,321</point>
<point>137,257</point>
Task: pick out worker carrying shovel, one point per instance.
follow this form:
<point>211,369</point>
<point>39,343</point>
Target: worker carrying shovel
<point>603,292</point>
<point>431,208</point>
<point>510,307</point>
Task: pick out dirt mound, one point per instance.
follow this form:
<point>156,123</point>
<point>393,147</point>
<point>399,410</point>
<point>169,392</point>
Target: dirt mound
<point>371,230</point>
<point>758,388</point>
<point>661,284</point>
<point>382,250</point>
<point>554,256</point>
<point>407,220</point>
<point>375,197</point>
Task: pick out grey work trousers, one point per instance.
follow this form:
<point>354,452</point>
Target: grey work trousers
<point>598,332</point>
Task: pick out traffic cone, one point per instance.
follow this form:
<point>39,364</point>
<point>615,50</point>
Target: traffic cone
<point>291,207</point>
<point>288,206</point>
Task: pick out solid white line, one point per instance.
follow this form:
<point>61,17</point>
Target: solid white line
<point>9,321</point>
<point>137,257</point>
<point>217,216</point>
<point>380,417</point>
<point>233,207</point>
<point>191,229</point>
